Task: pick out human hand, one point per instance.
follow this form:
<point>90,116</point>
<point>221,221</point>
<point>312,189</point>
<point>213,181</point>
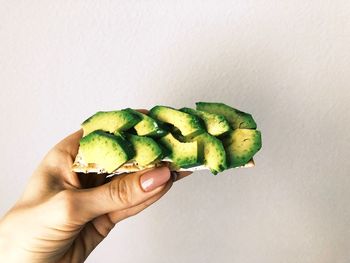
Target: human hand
<point>62,216</point>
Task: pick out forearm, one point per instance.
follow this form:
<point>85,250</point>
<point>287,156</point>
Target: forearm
<point>8,253</point>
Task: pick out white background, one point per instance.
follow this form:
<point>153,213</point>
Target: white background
<point>286,62</point>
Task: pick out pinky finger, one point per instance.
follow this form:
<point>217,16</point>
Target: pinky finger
<point>180,175</point>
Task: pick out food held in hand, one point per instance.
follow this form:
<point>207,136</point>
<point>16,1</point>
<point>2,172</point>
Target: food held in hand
<point>213,136</point>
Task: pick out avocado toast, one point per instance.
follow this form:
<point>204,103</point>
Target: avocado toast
<point>213,136</point>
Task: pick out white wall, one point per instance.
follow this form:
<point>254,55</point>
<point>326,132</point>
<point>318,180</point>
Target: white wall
<point>286,62</point>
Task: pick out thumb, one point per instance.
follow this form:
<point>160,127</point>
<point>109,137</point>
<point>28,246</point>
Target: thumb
<point>123,192</point>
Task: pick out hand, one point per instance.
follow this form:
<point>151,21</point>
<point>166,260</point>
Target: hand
<point>62,216</point>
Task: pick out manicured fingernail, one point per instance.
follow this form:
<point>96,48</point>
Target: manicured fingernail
<point>154,178</point>
<point>174,176</point>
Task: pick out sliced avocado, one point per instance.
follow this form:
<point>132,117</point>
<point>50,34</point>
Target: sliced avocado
<point>106,150</point>
<point>214,123</point>
<point>241,145</point>
<point>146,149</point>
<point>183,154</point>
<point>110,121</point>
<point>147,126</point>
<point>188,124</point>
<point>212,151</point>
<point>237,119</point>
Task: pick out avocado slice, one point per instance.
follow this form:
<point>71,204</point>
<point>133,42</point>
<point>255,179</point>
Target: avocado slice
<point>241,145</point>
<point>188,124</point>
<point>237,119</point>
<point>106,150</point>
<point>146,149</point>
<point>168,134</point>
<point>147,126</point>
<point>215,124</point>
<point>110,121</point>
<point>182,154</point>
<point>212,152</point>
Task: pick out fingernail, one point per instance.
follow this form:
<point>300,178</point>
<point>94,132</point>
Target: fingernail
<point>174,176</point>
<point>154,178</point>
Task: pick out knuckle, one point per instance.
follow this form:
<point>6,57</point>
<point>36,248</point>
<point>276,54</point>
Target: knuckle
<point>121,192</point>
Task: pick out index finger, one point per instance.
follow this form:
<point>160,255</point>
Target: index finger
<point>70,144</point>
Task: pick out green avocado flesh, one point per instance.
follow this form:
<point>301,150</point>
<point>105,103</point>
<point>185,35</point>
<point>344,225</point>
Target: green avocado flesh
<point>188,124</point>
<point>147,126</point>
<point>237,119</point>
<point>110,121</point>
<point>241,145</point>
<point>183,154</point>
<point>212,152</point>
<point>214,123</point>
<point>215,135</point>
<point>146,149</point>
<point>106,150</point>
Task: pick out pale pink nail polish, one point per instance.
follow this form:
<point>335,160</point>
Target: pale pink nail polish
<point>154,178</point>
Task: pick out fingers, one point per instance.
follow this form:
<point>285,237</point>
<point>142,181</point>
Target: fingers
<point>123,192</point>
<point>70,144</point>
<point>117,216</point>
<point>180,175</point>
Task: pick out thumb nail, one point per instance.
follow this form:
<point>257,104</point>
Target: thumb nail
<point>154,178</point>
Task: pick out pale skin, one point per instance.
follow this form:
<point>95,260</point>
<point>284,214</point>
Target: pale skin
<point>62,216</point>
